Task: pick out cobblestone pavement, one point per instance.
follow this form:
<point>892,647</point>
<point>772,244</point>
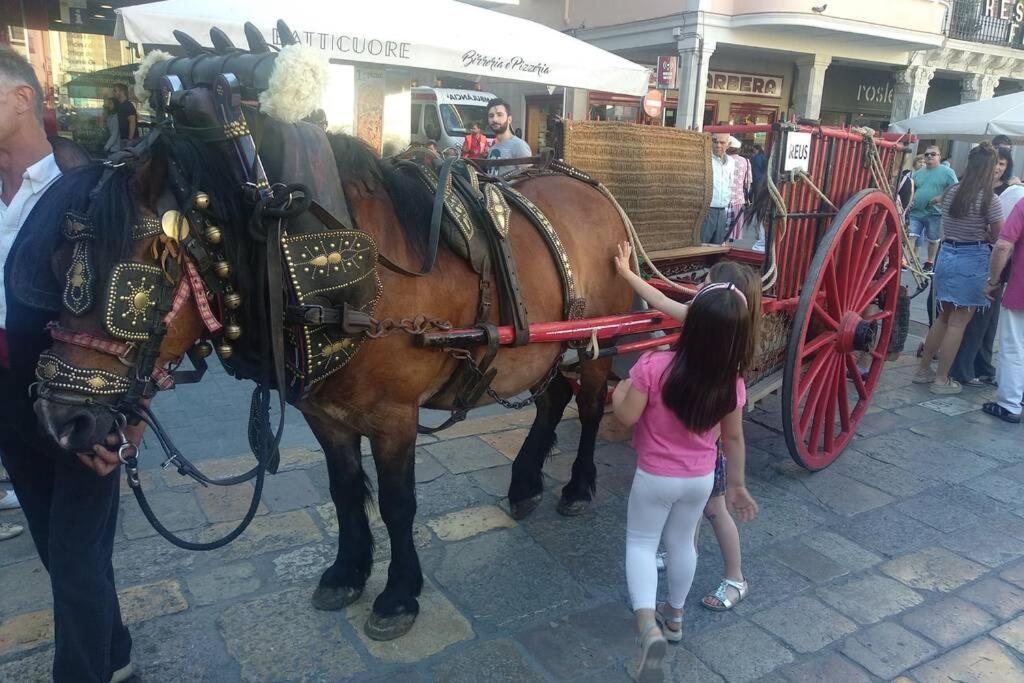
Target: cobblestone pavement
<point>903,559</point>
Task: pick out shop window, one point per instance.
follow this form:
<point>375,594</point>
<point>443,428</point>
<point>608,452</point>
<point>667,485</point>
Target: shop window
<point>17,35</point>
<point>614,112</point>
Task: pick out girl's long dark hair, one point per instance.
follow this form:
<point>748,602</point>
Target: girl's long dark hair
<point>976,183</point>
<point>700,387</point>
<point>747,281</point>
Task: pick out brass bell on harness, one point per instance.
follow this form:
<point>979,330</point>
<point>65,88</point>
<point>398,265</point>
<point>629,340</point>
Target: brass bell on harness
<point>232,300</point>
<point>174,225</point>
<point>224,350</point>
<point>203,349</point>
<point>223,269</point>
<point>232,331</point>
<point>202,201</point>
<point>213,234</point>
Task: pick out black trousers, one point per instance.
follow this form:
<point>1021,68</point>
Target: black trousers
<point>974,359</point>
<point>72,515</point>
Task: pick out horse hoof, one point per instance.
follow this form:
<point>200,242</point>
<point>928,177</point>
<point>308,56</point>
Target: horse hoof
<point>523,508</point>
<point>332,599</point>
<point>572,509</point>
<point>379,627</point>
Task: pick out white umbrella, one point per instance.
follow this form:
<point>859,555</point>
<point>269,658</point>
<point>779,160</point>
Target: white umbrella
<point>972,122</point>
<point>441,35</point>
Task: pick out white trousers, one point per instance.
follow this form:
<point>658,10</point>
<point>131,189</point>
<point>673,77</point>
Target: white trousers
<point>668,507</point>
<point>1010,373</point>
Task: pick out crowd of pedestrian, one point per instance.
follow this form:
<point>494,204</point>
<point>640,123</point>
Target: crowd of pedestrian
<point>971,227</point>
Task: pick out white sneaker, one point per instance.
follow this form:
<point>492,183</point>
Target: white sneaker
<point>659,559</point>
<point>9,501</point>
<point>123,674</point>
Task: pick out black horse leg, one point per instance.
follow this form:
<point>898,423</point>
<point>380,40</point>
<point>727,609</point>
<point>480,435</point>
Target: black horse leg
<point>527,485</point>
<point>342,583</point>
<point>577,494</point>
<point>396,608</point>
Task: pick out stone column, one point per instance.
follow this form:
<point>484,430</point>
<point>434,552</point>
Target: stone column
<point>911,89</point>
<point>694,56</point>
<point>810,82</point>
<point>974,87</point>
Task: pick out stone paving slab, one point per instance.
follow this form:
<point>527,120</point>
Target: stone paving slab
<point>901,561</point>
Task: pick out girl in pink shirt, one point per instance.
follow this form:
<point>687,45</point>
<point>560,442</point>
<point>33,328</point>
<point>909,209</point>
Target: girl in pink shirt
<point>681,401</point>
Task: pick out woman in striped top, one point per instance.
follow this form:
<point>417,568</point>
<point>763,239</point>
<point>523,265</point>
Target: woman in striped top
<point>971,220</point>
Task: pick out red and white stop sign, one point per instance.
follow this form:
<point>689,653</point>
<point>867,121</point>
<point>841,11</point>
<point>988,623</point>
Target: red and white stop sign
<point>653,103</point>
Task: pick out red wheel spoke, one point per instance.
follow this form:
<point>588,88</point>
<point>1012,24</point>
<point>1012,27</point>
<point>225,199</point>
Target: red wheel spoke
<point>812,402</point>
<point>844,400</point>
<point>881,315</point>
<point>811,375</point>
<point>876,288</point>
<point>838,377</point>
<point>820,342</point>
<point>832,292</point>
<point>844,257</point>
<point>825,317</point>
<point>818,410</point>
<point>877,355</point>
<point>858,383</point>
<point>875,264</point>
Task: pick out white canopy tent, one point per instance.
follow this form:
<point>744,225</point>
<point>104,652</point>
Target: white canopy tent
<point>441,35</point>
<point>971,122</point>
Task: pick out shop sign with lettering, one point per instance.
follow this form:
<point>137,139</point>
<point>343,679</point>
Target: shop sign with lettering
<point>744,84</point>
<point>668,68</point>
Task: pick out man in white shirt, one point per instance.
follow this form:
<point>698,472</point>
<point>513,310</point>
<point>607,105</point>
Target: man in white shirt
<point>715,228</point>
<point>70,504</point>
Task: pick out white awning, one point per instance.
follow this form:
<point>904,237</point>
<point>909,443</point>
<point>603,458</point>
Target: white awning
<point>972,122</point>
<point>441,35</point>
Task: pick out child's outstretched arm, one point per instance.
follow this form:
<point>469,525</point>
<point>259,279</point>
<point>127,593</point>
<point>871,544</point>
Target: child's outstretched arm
<point>737,497</point>
<point>652,296</point>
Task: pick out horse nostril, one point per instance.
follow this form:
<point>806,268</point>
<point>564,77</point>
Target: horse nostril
<point>81,424</point>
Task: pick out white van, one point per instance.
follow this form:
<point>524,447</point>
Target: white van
<point>444,115</point>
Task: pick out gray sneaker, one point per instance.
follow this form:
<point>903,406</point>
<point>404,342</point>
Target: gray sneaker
<point>8,530</point>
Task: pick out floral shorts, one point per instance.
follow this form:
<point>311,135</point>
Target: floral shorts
<point>718,488</point>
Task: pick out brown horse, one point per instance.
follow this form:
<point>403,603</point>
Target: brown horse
<point>378,394</point>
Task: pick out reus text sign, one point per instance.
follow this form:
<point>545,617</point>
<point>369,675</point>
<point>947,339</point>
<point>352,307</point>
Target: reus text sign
<point>798,151</point>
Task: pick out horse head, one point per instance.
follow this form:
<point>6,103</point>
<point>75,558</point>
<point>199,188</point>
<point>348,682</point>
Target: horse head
<point>157,246</point>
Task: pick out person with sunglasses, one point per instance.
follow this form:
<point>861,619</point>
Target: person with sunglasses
<point>930,183</point>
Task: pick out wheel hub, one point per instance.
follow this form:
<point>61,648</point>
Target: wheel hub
<point>857,334</point>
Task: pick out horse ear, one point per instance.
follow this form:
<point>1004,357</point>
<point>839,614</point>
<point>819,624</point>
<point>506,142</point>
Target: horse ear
<point>191,45</point>
<point>257,44</point>
<point>222,45</point>
<point>285,34</point>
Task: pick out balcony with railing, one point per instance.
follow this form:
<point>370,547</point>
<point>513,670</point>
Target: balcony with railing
<point>975,21</point>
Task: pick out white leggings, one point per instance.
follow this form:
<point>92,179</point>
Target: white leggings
<point>672,505</point>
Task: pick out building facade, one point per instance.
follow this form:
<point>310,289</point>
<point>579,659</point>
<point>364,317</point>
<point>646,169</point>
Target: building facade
<point>844,62</point>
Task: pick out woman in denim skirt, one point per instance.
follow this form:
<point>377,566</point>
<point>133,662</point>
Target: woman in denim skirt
<point>971,220</point>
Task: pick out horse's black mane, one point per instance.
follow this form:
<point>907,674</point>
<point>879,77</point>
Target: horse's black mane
<point>410,198</point>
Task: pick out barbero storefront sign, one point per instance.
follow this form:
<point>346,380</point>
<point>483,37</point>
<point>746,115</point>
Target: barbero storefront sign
<point>744,84</point>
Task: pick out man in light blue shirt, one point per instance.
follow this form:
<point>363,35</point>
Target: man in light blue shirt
<point>715,228</point>
<point>506,145</point>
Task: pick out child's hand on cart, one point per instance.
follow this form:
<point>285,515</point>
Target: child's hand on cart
<point>623,260</point>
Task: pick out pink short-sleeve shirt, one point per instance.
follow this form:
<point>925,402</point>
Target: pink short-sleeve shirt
<point>664,445</point>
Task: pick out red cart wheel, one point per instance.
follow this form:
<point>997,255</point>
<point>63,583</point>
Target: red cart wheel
<point>841,329</point>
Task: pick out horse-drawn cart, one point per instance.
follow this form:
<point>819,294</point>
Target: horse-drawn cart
<point>833,304</point>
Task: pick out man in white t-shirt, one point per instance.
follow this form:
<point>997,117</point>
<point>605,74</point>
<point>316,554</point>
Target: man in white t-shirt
<point>70,502</point>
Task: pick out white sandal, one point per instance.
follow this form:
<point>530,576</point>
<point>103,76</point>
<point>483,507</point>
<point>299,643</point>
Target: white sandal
<point>649,666</point>
<point>741,588</point>
<point>664,618</point>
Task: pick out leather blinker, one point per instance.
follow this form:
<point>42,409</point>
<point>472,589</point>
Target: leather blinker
<point>130,307</point>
